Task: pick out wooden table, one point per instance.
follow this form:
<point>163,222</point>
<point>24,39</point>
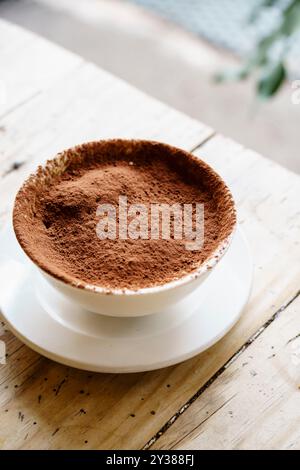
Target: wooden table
<point>242,393</point>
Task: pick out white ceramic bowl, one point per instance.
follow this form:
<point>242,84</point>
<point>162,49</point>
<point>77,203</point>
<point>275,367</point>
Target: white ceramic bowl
<point>117,302</point>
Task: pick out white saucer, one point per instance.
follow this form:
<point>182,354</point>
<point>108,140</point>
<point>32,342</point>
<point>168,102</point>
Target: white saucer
<point>52,326</point>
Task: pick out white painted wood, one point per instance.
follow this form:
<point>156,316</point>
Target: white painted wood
<point>255,403</point>
<point>29,65</point>
<point>268,197</point>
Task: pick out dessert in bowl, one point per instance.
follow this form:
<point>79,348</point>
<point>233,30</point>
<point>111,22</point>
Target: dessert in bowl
<point>86,220</point>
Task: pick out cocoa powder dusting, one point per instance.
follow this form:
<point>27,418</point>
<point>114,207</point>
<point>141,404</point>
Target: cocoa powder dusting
<point>55,216</point>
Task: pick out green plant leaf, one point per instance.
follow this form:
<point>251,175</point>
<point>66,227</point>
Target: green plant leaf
<point>271,81</point>
<point>261,55</point>
<point>291,19</point>
<point>274,74</point>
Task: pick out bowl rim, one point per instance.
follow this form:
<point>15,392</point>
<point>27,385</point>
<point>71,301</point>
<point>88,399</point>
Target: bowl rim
<point>77,283</point>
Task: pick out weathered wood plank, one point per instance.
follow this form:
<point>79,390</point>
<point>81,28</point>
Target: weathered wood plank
<point>268,201</point>
<point>29,65</point>
<point>255,403</point>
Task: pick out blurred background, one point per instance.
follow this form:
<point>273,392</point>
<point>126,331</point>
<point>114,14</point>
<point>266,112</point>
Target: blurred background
<point>192,54</point>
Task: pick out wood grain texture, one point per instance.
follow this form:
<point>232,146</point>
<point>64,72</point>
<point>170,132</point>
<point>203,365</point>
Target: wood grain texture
<point>29,65</point>
<point>255,403</point>
<point>268,205</point>
<point>46,405</point>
